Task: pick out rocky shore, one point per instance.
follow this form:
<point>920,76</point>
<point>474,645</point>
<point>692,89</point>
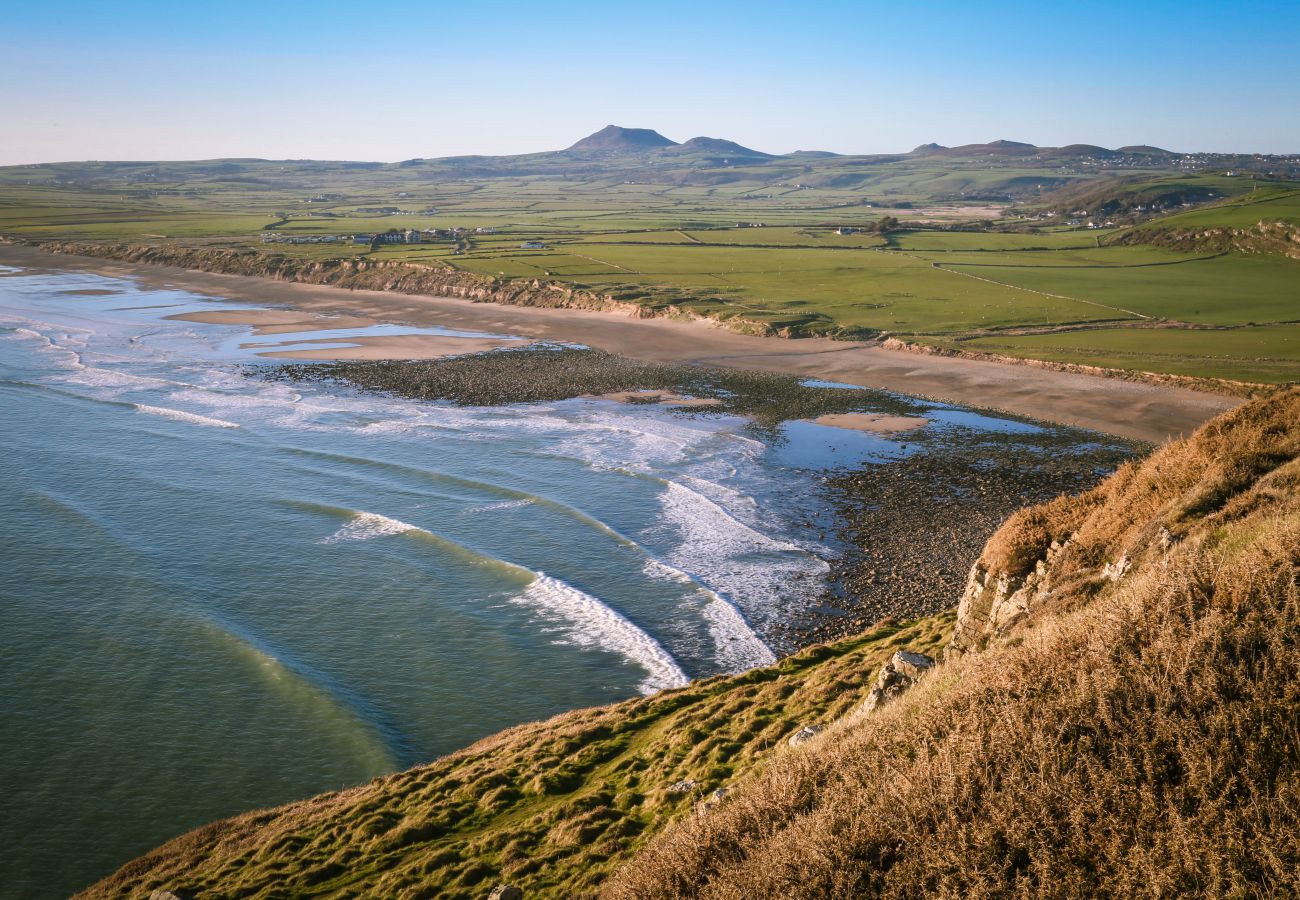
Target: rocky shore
<point>908,529</point>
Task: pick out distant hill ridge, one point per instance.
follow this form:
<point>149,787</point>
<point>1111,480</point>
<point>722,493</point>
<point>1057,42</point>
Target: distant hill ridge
<point>617,139</point>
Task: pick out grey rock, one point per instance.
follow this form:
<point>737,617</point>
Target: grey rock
<point>902,671</point>
<point>683,787</point>
<point>715,797</point>
<point>805,734</point>
<point>506,892</point>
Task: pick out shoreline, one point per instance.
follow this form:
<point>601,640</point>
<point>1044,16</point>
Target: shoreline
<point>1126,409</point>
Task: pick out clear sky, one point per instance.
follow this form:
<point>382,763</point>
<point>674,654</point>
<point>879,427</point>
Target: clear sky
<point>395,79</point>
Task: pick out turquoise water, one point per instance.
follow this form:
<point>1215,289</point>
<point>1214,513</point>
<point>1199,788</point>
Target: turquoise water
<point>222,593</point>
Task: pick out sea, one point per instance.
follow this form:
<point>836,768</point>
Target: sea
<point>221,592</point>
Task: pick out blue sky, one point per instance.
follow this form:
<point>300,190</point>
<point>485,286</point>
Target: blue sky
<point>407,78</point>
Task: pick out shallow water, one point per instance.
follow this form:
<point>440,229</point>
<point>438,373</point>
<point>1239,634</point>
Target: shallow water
<point>221,593</point>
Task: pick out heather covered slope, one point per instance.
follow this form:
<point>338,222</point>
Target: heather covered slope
<point>1125,720</point>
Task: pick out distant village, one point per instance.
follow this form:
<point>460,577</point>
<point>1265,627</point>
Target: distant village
<point>391,236</point>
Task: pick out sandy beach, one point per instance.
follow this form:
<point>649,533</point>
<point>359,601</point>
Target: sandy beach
<point>1115,406</point>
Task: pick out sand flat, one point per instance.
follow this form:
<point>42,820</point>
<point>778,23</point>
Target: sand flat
<point>876,423</point>
<point>275,321</point>
<point>394,346</point>
<point>662,398</point>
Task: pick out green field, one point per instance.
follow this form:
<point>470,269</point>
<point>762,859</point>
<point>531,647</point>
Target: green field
<point>684,239</point>
<point>1265,353</point>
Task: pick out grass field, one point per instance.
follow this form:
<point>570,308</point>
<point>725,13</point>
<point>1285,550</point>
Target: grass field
<point>1263,353</point>
<point>683,244</point>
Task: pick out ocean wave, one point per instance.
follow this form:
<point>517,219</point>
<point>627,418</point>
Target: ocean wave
<point>593,623</point>
<point>586,620</point>
<point>182,416</point>
<point>365,526</point>
<point>737,647</point>
<point>701,516</point>
<point>501,504</point>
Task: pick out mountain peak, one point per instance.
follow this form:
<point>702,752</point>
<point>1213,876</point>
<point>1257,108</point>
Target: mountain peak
<point>719,146</point>
<point>615,138</point>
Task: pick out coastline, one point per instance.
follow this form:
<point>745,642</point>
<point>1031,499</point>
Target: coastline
<point>1127,409</point>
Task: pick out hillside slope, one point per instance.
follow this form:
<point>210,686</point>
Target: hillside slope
<point>1120,716</point>
<point>1117,716</point>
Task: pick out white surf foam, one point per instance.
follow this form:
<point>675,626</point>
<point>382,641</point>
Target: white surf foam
<point>594,624</point>
<point>737,647</point>
<point>703,516</point>
<point>182,416</point>
<point>585,620</point>
<point>500,504</point>
<point>364,526</point>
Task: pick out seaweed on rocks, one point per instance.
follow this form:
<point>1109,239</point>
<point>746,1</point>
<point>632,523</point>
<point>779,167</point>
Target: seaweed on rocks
<point>913,527</point>
<point>558,372</point>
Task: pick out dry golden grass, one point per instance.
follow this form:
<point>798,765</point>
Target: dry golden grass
<point>1138,738</point>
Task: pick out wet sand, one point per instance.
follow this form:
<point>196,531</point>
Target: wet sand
<point>662,398</point>
<point>275,321</point>
<point>872,422</point>
<point>397,346</point>
<point>1127,409</point>
<point>388,346</point>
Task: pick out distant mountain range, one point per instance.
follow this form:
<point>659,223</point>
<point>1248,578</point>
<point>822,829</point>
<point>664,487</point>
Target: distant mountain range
<point>617,140</point>
<point>997,171</point>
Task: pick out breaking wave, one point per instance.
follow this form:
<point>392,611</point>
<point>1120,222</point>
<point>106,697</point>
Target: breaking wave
<point>595,624</point>
<point>182,416</point>
<point>587,620</point>
<point>365,526</point>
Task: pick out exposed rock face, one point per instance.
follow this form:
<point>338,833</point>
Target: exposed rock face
<point>805,734</point>
<point>506,892</point>
<point>171,895</point>
<point>902,671</point>
<point>994,601</point>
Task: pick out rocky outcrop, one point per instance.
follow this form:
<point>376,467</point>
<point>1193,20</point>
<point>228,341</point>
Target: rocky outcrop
<point>715,797</point>
<point>1272,238</point>
<point>904,669</point>
<point>995,600</point>
<point>506,892</point>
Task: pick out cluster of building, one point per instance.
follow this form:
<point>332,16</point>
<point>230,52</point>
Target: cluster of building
<point>272,237</point>
<point>392,236</point>
<point>409,236</point>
